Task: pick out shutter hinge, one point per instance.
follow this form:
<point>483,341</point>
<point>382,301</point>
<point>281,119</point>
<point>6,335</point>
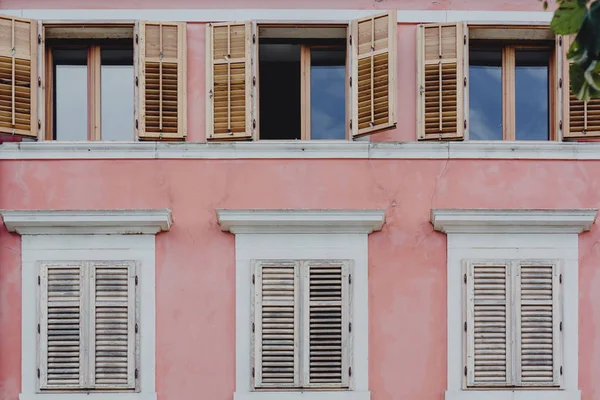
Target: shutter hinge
<point>350,279</point>
<point>136,81</point>
<point>350,124</point>
<point>465,124</point>
<point>39,331</point>
<point>136,38</point>
<point>349,371</point>
<point>560,125</point>
<point>39,81</point>
<point>465,371</point>
<point>421,90</point>
<point>39,39</point>
<point>254,81</point>
<point>349,326</point>
<point>465,278</point>
<point>253,124</point>
<point>560,40</point>
<point>253,372</point>
<point>350,81</point>
<point>137,373</point>
<point>350,40</point>
<point>136,123</point>
<point>560,326</point>
<point>39,280</point>
<point>560,278</point>
<point>465,326</point>
<point>38,372</point>
<point>136,328</point>
<point>253,327</point>
<point>465,81</point>
<point>465,39</point>
<point>560,83</point>
<point>136,279</point>
<point>253,279</point>
<point>39,124</point>
<point>561,372</point>
<point>254,38</point>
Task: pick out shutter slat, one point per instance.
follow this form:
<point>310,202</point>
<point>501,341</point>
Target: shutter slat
<point>441,73</point>
<point>18,76</point>
<point>163,81</point>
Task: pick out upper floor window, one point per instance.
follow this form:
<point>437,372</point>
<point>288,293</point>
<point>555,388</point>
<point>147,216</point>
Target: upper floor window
<point>301,81</point>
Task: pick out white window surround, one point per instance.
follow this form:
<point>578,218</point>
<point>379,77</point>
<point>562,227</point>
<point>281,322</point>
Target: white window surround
<point>512,234</point>
<point>87,235</point>
<point>301,234</point>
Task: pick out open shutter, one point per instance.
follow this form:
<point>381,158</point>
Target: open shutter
<point>538,319</point>
<point>276,324</point>
<point>229,81</point>
<point>18,77</point>
<point>162,80</point>
<point>373,44</point>
<point>112,345</point>
<point>440,102</point>
<point>487,327</point>
<point>326,297</point>
<point>581,119</point>
<point>61,326</point>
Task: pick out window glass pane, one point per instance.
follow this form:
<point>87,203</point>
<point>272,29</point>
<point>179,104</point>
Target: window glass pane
<point>485,94</point>
<point>531,92</point>
<point>70,94</point>
<point>117,81</point>
<point>327,94</point>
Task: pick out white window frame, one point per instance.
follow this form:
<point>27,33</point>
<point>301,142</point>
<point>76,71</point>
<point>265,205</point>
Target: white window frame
<point>301,234</point>
<point>512,234</point>
<point>108,235</point>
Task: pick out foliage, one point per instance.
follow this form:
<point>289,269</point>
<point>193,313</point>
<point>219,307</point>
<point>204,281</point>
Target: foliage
<point>581,17</point>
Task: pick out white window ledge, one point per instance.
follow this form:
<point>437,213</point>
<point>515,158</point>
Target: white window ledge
<point>88,396</point>
<point>301,149</point>
<point>87,222</point>
<point>514,395</point>
<point>303,396</point>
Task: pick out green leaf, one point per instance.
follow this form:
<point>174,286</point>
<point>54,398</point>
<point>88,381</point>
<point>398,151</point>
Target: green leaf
<point>569,16</point>
<point>580,86</point>
<point>592,75</point>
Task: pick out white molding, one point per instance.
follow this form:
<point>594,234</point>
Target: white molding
<point>69,222</point>
<point>53,150</point>
<point>301,221</point>
<point>513,221</point>
<point>215,15</point>
<point>514,395</point>
<point>341,395</point>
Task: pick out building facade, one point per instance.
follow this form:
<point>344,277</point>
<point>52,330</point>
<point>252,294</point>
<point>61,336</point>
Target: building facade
<point>388,200</point>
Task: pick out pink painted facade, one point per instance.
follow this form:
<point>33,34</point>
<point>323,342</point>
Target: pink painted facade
<point>195,261</point>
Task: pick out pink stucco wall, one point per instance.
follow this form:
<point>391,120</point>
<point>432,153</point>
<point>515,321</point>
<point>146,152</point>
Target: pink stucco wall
<point>195,260</point>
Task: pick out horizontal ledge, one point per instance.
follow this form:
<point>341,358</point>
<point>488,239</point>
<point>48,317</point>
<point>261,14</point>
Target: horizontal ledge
<point>513,395</point>
<point>513,220</point>
<point>88,396</point>
<point>86,222</point>
<point>300,221</point>
<point>301,150</point>
<point>305,395</point>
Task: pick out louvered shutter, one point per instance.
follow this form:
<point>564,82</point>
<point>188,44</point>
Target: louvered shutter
<point>373,46</point>
<point>112,335</point>
<point>581,119</point>
<point>538,318</point>
<point>162,81</point>
<point>488,333</point>
<point>18,77</point>
<point>62,326</point>
<point>229,81</point>
<point>276,323</point>
<point>441,59</point>
<point>326,344</point>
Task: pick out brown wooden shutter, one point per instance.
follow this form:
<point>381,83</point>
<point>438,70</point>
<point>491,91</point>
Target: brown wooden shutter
<point>62,326</point>
<point>373,44</point>
<point>229,81</point>
<point>487,323</point>
<point>581,119</point>
<point>276,324</point>
<point>326,295</point>
<point>18,76</point>
<point>538,355</point>
<point>440,58</point>
<point>112,334</point>
<point>162,80</point>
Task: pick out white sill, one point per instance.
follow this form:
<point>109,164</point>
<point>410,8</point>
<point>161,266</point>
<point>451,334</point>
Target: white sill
<point>303,395</point>
<point>87,396</point>
<point>513,395</point>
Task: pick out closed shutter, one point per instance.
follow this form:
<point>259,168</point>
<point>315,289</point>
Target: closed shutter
<point>229,81</point>
<point>441,89</point>
<point>487,324</point>
<point>581,118</point>
<point>18,77</point>
<point>113,325</point>
<point>62,326</point>
<point>326,296</point>
<point>162,80</point>
<point>276,324</point>
<point>538,319</point>
<point>373,44</point>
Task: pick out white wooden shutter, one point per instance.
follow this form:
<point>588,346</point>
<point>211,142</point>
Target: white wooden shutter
<point>487,323</point>
<point>538,319</point>
<point>61,325</point>
<point>276,324</point>
<point>112,355</point>
<point>326,323</point>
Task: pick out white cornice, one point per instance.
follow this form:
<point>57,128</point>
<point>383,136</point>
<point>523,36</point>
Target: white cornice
<point>300,221</point>
<point>512,221</point>
<point>300,150</point>
<point>87,222</point>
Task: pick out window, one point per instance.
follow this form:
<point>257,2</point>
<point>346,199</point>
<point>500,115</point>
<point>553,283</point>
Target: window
<point>301,81</point>
<point>97,81</point>
<point>514,323</point>
<point>88,327</point>
<point>498,83</point>
<point>302,324</point>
